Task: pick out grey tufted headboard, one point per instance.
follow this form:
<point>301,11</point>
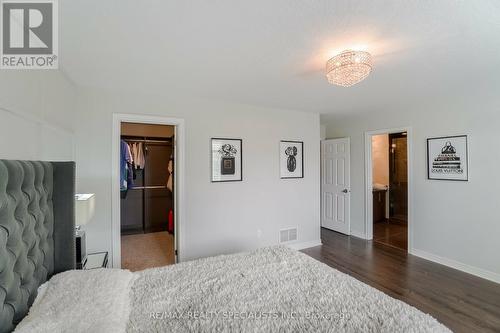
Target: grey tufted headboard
<point>37,227</point>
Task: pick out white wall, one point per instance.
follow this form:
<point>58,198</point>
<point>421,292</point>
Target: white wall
<point>456,223</point>
<point>36,112</point>
<point>220,217</point>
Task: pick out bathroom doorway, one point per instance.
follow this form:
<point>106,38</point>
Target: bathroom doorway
<point>388,174</point>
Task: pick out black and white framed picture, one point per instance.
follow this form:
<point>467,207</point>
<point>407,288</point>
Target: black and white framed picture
<point>226,160</point>
<point>292,159</point>
<point>447,158</point>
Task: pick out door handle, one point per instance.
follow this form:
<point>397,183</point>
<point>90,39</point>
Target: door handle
<point>345,190</point>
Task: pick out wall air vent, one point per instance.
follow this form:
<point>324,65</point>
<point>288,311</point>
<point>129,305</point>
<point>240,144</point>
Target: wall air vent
<point>288,235</point>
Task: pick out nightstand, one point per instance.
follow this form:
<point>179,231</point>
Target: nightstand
<point>96,260</point>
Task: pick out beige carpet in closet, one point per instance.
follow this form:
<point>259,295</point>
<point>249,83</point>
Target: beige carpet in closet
<point>143,251</point>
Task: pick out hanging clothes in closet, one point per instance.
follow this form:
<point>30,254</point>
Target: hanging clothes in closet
<point>170,181</point>
<point>137,149</point>
<point>170,187</point>
<point>150,206</point>
<point>126,167</point>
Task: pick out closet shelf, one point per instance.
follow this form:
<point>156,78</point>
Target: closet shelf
<point>147,187</point>
<point>148,141</point>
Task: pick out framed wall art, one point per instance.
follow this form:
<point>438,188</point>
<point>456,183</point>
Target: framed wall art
<point>447,158</point>
<point>291,159</point>
<point>226,160</point>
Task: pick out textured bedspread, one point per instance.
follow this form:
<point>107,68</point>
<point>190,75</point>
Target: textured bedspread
<point>269,290</point>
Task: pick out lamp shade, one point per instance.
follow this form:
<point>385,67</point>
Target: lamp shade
<point>85,208</point>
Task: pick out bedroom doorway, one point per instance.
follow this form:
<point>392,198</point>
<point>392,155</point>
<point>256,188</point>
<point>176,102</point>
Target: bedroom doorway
<point>147,191</point>
<point>147,167</point>
<point>388,180</point>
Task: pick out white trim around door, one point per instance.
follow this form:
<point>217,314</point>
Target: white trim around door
<point>179,195</point>
<point>369,181</point>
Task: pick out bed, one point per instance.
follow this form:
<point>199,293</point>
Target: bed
<point>267,290</point>
<point>36,231</point>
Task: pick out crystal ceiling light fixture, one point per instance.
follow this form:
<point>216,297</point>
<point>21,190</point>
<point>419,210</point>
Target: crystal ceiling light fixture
<point>348,68</point>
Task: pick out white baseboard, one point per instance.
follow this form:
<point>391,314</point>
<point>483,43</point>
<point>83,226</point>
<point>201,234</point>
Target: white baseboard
<point>358,234</point>
<point>305,245</point>
<point>482,273</point>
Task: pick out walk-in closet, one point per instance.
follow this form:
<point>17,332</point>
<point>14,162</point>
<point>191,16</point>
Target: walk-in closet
<point>147,207</point>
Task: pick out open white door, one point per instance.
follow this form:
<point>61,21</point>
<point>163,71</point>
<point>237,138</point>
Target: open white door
<point>335,185</point>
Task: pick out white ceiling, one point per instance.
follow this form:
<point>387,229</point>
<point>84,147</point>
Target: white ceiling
<point>272,52</point>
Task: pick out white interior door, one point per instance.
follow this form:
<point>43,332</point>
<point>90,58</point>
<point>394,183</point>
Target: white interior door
<point>335,185</point>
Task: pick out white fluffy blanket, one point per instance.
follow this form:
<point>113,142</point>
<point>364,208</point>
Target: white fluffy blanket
<point>269,290</point>
<point>96,300</point>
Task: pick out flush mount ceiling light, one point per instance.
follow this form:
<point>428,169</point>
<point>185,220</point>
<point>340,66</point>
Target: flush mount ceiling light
<point>348,68</point>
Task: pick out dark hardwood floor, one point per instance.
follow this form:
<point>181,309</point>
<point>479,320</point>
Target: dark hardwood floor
<point>391,233</point>
<point>461,301</point>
